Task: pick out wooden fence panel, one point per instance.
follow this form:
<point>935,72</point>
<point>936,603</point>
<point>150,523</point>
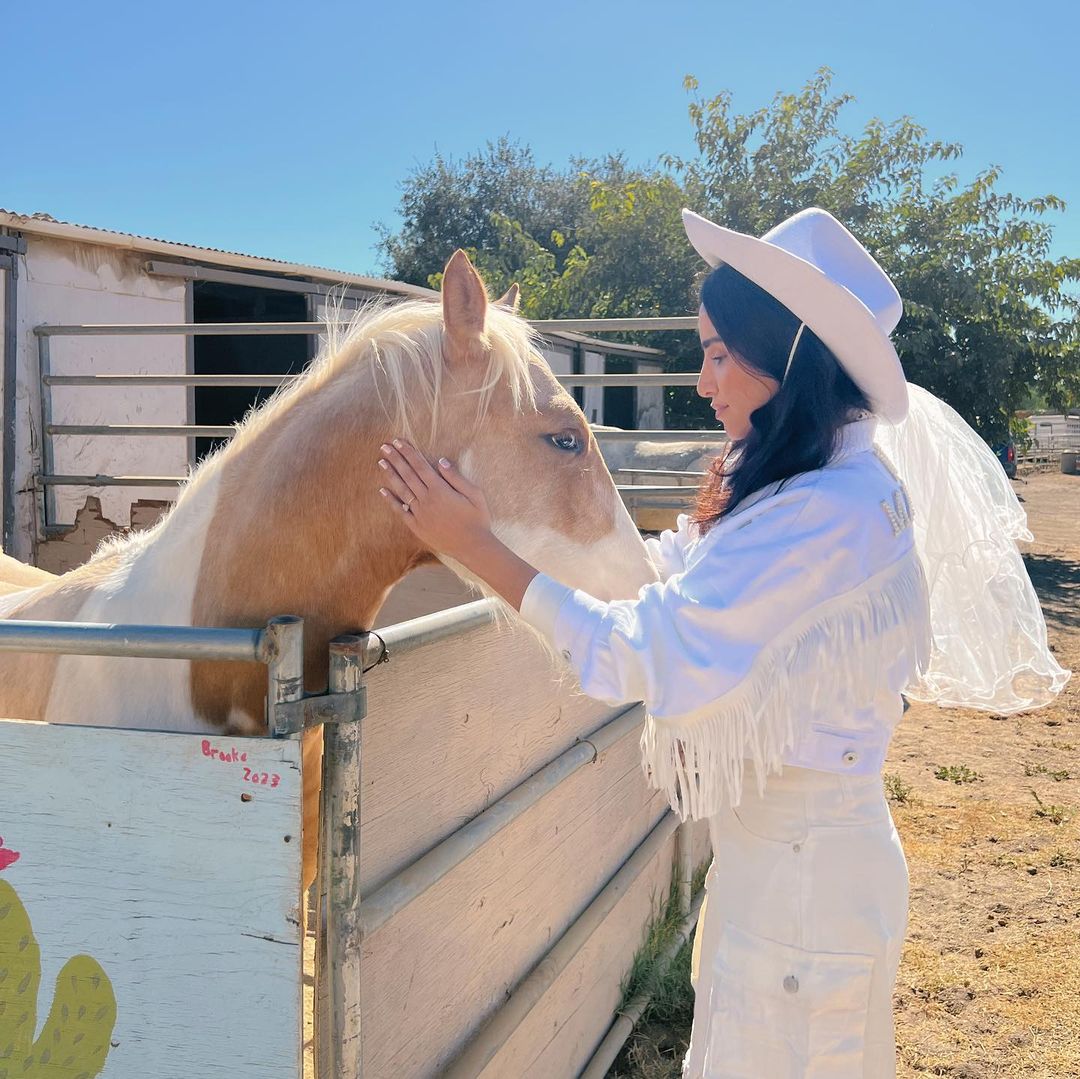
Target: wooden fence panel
<point>443,965</point>
<point>563,1030</point>
<point>131,864</point>
<point>453,727</point>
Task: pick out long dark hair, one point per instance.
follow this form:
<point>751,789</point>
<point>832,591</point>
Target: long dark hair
<point>798,428</point>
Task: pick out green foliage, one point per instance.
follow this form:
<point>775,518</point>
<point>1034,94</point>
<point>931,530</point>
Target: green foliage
<point>957,773</point>
<point>665,985</point>
<point>991,322</point>
<point>74,1041</point>
<point>896,790</point>
<point>1055,814</point>
<point>987,316</point>
<point>1057,775</point>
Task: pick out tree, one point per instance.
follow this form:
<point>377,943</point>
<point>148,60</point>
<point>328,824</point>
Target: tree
<point>990,320</point>
<point>988,315</point>
<point>449,204</point>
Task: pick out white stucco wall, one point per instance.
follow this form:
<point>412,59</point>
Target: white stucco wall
<point>650,402</point>
<point>559,360</point>
<point>593,406</point>
<point>62,282</point>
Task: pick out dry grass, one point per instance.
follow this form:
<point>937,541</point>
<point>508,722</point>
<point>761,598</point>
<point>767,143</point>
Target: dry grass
<point>989,983</point>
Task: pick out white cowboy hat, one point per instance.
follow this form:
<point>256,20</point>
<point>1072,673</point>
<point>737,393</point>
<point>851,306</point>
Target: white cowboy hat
<point>825,277</point>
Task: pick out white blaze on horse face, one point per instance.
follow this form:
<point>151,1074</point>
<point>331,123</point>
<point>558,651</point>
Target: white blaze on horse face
<point>614,565</point>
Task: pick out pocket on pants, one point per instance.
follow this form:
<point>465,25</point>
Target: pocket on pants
<point>785,1012</point>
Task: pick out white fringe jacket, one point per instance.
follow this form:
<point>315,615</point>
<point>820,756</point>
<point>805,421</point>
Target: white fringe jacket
<point>785,635</point>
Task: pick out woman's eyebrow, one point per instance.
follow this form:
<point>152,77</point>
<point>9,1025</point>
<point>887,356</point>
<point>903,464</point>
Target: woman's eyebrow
<point>712,341</point>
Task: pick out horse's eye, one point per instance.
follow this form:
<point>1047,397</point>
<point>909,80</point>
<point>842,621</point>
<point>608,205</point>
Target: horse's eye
<point>568,441</point>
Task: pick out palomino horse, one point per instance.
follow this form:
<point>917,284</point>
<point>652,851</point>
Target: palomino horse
<point>287,518</point>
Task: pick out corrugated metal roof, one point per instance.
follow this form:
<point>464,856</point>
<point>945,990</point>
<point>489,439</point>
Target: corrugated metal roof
<point>46,224</point>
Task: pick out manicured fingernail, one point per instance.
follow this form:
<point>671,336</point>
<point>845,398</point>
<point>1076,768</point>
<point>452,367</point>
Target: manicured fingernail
<point>385,448</point>
<point>382,490</point>
<point>444,462</point>
<point>383,464</point>
<point>397,443</point>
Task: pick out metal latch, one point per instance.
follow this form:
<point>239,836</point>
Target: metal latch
<point>291,717</point>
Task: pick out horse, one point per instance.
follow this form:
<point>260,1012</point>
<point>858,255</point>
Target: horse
<point>286,518</point>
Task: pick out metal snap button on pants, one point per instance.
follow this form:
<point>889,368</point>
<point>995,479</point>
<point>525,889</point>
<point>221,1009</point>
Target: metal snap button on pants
<point>800,936</point>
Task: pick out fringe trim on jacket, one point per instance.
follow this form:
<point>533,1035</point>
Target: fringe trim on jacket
<point>830,660</point>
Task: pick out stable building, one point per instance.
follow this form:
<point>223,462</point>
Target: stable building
<point>61,473</point>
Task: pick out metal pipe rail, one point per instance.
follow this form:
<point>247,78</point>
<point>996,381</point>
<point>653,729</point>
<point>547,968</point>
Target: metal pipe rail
<point>410,883</point>
<point>279,645</point>
<point>227,431</point>
<point>523,998</point>
<point>405,637</point>
<point>155,642</point>
<point>242,329</point>
<point>674,378</point>
<point>632,491</point>
<point>49,478</point>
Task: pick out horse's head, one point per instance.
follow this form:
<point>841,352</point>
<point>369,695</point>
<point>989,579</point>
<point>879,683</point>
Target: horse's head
<point>500,413</point>
<point>290,518</point>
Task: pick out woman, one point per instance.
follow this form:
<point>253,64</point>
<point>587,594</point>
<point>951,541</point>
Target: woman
<point>808,589</point>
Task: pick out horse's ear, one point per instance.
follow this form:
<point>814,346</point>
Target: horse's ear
<point>510,299</point>
<point>465,304</point>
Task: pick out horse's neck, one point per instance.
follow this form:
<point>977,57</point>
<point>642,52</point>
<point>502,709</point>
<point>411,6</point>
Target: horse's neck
<point>298,527</point>
<point>286,521</point>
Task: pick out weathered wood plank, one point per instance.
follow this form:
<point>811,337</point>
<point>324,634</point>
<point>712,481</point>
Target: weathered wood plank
<point>701,847</point>
<point>136,849</point>
<point>437,970</point>
<point>451,728</point>
<point>562,1031</point>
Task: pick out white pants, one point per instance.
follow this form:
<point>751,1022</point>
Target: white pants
<point>800,936</point>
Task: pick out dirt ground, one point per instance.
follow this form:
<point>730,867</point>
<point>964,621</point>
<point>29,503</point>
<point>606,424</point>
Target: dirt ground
<point>989,982</point>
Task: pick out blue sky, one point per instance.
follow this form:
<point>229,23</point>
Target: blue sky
<point>284,129</point>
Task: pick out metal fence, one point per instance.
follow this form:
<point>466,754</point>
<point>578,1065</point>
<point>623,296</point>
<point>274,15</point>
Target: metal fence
<point>349,918</point>
<point>48,478</point>
<point>1048,440</point>
<point>340,1018</point>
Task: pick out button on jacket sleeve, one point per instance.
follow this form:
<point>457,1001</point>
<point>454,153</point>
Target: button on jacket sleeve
<point>716,649</point>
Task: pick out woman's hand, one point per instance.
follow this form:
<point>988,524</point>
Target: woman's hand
<point>448,514</point>
<point>443,509</point>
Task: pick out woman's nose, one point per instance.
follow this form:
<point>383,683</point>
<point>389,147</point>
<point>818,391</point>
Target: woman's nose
<point>704,383</point>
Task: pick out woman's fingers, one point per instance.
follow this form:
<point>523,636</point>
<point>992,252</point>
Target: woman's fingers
<point>399,507</point>
<point>395,485</point>
<point>396,462</point>
<point>456,480</point>
<point>417,461</point>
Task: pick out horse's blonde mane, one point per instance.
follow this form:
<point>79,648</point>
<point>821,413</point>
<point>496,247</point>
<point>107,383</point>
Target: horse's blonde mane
<point>403,340</point>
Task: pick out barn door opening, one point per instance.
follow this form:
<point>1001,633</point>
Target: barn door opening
<point>620,402</point>
<point>243,355</point>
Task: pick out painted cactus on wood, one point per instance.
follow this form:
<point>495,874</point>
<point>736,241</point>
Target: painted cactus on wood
<point>74,1041</point>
